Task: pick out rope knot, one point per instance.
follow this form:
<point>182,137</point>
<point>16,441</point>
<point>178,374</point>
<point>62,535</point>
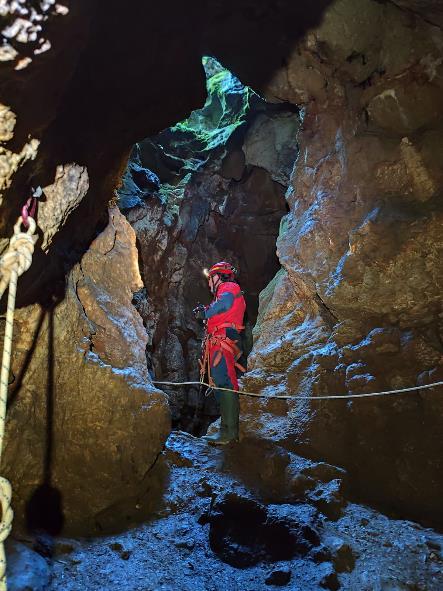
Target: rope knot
<point>13,263</point>
<point>7,513</point>
<point>18,257</point>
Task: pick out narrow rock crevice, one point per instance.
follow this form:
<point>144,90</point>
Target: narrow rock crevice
<point>210,188</point>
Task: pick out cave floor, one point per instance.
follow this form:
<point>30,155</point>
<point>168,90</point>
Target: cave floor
<point>181,547</point>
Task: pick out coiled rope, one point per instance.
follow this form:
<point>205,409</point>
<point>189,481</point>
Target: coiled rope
<point>313,398</point>
<point>14,262</point>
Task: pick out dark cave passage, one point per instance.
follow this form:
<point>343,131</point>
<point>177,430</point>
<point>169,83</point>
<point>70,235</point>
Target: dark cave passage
<point>207,189</point>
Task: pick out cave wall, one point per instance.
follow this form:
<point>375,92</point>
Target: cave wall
<point>369,80</point>
<point>206,189</point>
<point>81,82</point>
<point>357,306</point>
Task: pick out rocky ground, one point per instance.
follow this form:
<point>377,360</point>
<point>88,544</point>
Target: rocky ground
<point>215,531</point>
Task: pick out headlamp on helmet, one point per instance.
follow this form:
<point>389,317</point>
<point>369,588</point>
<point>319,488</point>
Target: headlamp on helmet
<point>222,268</point>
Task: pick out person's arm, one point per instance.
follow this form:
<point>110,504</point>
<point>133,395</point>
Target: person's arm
<point>223,304</point>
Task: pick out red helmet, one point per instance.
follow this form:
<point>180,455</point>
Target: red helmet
<point>221,268</point>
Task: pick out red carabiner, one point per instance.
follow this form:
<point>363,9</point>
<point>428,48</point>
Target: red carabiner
<point>29,210</point>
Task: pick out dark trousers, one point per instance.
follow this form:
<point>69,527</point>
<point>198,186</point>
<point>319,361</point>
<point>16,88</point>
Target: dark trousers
<point>224,376</point>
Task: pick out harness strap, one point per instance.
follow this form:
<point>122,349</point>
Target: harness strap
<point>228,325</point>
<point>219,343</point>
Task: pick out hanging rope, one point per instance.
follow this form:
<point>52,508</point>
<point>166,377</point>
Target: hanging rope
<point>312,398</point>
<point>14,262</point>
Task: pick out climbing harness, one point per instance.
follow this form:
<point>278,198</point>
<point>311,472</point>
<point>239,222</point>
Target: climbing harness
<point>312,398</point>
<point>216,342</point>
<point>213,342</point>
<point>13,263</point>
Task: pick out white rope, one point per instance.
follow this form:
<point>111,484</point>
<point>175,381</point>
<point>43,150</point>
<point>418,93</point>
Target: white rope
<point>16,260</point>
<point>313,398</point>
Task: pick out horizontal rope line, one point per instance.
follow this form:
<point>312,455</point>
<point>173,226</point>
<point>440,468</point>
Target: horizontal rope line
<point>289,397</point>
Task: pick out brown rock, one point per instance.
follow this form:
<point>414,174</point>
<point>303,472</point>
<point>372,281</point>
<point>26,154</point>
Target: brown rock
<point>357,307</point>
<point>271,143</point>
<point>70,185</point>
<point>90,423</point>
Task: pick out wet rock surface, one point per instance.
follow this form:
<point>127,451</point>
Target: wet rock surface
<point>27,570</point>
<point>361,551</point>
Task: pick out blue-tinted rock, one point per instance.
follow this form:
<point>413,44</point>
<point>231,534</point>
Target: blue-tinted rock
<point>26,570</point>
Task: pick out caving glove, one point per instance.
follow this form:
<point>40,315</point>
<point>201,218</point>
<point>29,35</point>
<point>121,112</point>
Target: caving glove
<point>199,312</point>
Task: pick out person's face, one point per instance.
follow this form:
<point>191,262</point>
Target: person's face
<point>213,282</point>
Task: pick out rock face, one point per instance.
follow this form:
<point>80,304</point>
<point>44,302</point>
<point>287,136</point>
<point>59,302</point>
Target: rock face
<point>357,306</point>
<point>85,425</point>
<point>107,95</point>
<point>26,569</point>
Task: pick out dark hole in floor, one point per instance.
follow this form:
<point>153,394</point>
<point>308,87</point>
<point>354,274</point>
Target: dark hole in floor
<point>243,533</point>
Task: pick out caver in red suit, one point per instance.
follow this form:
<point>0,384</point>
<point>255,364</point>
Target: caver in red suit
<point>224,322</point>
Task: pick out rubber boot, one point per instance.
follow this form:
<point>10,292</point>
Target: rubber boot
<point>229,410</point>
<point>229,405</point>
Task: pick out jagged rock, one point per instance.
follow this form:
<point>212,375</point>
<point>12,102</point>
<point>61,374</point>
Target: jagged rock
<point>324,472</point>
<point>271,143</point>
<point>70,185</point>
<point>242,533</point>
<point>94,423</point>
<point>342,555</point>
<point>171,547</point>
<point>328,498</point>
<point>137,184</point>
<point>360,247</point>
<point>191,224</point>
<point>211,127</point>
<point>330,581</point>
